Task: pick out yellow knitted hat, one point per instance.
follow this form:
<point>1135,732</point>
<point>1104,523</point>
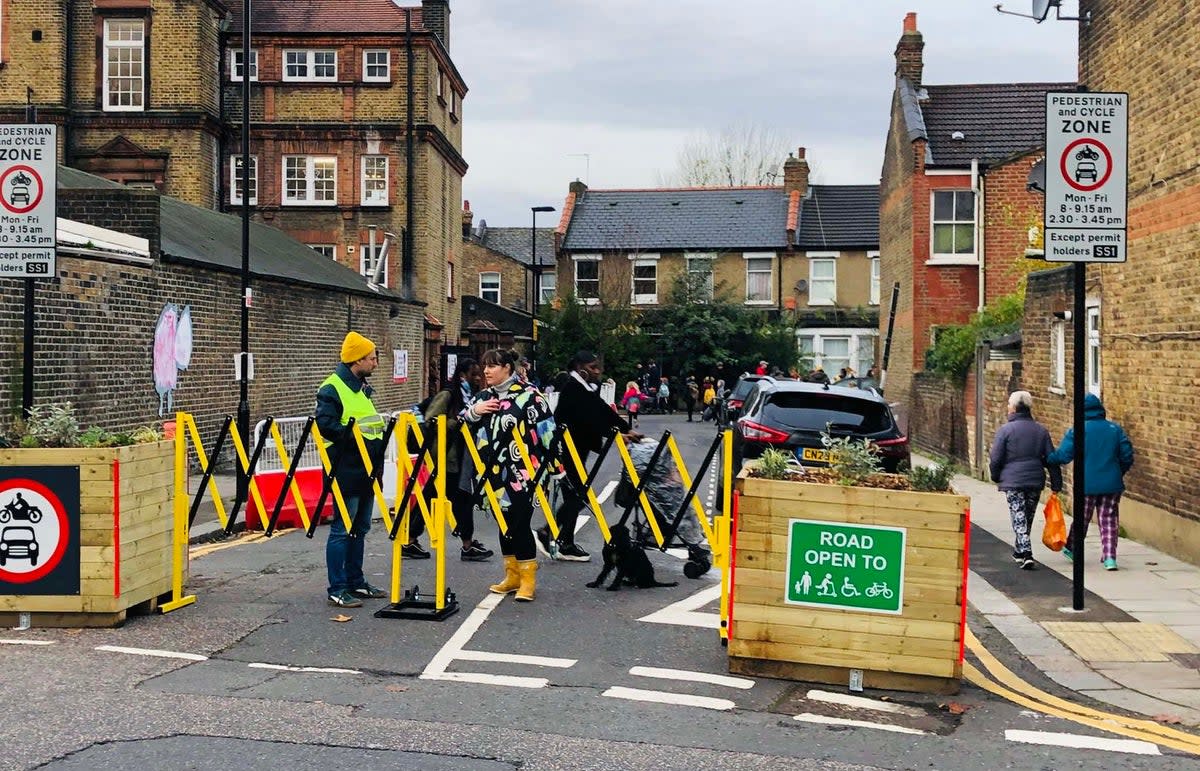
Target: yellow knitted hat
<point>356,347</point>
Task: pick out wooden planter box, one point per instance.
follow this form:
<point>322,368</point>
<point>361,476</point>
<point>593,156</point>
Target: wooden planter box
<point>912,642</point>
<point>125,531</point>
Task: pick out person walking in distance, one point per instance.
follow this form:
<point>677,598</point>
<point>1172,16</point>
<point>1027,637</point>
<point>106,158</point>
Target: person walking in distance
<point>632,402</point>
<point>589,419</point>
<point>691,395</point>
<point>1019,459</point>
<point>343,395</point>
<point>508,403</point>
<point>451,401</point>
<point>1107,455</point>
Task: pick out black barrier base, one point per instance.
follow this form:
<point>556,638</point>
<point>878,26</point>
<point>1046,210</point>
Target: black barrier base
<point>415,606</point>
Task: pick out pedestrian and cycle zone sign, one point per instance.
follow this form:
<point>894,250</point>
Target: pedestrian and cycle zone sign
<point>28,203</point>
<point>845,567</point>
<point>39,530</point>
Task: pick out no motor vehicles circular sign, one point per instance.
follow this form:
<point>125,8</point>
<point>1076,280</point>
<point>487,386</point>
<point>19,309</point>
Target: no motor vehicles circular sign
<point>39,530</point>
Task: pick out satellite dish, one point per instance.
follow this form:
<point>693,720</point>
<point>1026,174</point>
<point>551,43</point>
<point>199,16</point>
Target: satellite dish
<point>802,285</point>
<point>1041,9</point>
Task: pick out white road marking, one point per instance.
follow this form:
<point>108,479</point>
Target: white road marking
<point>455,648</point>
<point>515,658</point>
<point>1082,742</point>
<point>27,642</point>
<point>694,677</point>
<point>808,717</point>
<point>683,613</point>
<point>859,702</point>
<point>152,652</point>
<point>663,697</point>
<point>607,491</point>
<point>319,670</point>
<point>579,523</point>
<point>512,681</point>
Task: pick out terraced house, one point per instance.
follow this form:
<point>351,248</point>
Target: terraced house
<point>806,253</point>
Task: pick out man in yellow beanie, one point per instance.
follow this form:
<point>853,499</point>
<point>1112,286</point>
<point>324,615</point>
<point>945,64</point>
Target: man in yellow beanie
<point>343,395</point>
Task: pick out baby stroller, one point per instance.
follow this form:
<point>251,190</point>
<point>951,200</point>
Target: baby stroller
<point>650,402</point>
<point>665,491</point>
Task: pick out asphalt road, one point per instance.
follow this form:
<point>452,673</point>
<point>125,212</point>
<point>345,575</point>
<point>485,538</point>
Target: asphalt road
<point>273,680</point>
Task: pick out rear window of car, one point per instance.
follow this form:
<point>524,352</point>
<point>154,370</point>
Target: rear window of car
<point>743,388</point>
<point>813,411</point>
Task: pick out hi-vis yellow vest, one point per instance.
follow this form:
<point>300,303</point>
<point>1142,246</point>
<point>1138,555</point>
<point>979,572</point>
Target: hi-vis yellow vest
<point>357,405</point>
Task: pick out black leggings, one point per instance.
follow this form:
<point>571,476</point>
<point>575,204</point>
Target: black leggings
<point>519,541</point>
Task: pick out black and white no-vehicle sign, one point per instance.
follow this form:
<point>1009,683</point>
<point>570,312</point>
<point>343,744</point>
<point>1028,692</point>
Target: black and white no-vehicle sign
<point>39,530</point>
<point>1087,137</point>
<point>28,203</point>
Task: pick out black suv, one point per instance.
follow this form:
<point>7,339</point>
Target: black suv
<point>791,415</point>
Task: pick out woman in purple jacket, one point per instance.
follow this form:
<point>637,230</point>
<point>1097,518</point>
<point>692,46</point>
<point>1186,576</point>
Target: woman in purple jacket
<point>1018,466</point>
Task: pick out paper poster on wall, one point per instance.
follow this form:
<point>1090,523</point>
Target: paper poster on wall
<point>400,366</point>
<point>451,365</point>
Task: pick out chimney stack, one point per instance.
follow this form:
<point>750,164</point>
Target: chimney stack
<point>435,17</point>
<point>795,173</point>
<point>578,188</point>
<point>909,60</point>
<point>468,218</point>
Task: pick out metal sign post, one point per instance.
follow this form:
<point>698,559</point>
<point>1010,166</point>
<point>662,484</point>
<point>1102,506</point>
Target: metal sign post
<point>1087,136</point>
<point>28,206</point>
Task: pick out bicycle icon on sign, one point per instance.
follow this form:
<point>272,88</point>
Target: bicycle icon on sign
<point>880,589</point>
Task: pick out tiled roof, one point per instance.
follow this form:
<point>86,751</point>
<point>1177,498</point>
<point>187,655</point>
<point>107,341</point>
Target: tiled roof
<point>839,217</point>
<point>203,236</point>
<point>325,17</point>
<point>687,218</point>
<point>997,121</point>
<point>515,243</point>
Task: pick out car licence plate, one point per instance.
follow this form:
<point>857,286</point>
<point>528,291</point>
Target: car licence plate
<point>813,455</point>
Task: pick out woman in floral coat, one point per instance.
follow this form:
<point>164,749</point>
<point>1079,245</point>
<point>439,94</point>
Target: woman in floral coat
<point>505,403</point>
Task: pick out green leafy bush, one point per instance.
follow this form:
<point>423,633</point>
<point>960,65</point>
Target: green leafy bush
<point>774,464</point>
<point>931,479</point>
<point>853,460</point>
<point>954,351</point>
<point>56,425</point>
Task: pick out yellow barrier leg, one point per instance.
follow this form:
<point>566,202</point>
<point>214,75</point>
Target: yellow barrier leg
<point>286,462</point>
<point>721,555</point>
<point>592,500</point>
<point>245,461</point>
<point>376,490</point>
<point>202,456</point>
<point>686,478</point>
<point>437,534</point>
<point>180,511</point>
<point>527,460</point>
<point>338,500</point>
<point>487,486</point>
<point>633,477</point>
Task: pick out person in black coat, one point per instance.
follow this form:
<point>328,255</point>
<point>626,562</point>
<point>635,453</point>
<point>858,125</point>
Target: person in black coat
<point>590,419</point>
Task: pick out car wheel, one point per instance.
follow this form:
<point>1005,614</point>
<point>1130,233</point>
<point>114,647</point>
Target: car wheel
<point>3,560</point>
<point>33,560</point>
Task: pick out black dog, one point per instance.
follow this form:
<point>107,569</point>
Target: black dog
<point>631,563</point>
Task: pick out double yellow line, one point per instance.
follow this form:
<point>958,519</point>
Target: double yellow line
<point>209,548</point>
<point>1008,686</point>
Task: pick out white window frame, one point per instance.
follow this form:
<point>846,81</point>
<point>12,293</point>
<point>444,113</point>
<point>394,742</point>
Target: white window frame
<point>484,291</point>
<point>328,250</point>
<point>1094,363</point>
<point>857,337</point>
<point>547,286</point>
<point>366,267</point>
<point>823,261</point>
<point>644,260</point>
<point>235,65</point>
<point>139,48</point>
<point>876,279</point>
<point>310,164</point>
<point>1058,356</point>
<point>693,259</point>
<point>309,64</point>
<point>453,103</point>
<point>576,259</point>
<point>370,197</point>
<point>748,257</point>
<point>235,180</point>
<point>958,218</point>
<point>449,280</point>
<point>386,77</point>
<point>441,85</point>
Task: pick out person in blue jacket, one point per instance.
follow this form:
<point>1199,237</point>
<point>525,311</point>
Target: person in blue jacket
<point>1018,463</point>
<point>1107,455</point>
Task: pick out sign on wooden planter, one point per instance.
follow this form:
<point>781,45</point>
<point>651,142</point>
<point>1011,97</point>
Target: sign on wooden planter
<point>856,567</point>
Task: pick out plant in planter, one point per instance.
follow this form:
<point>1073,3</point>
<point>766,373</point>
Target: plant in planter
<point>847,574</point>
<point>56,425</point>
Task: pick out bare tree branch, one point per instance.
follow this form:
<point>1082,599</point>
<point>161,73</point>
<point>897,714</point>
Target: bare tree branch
<point>737,155</point>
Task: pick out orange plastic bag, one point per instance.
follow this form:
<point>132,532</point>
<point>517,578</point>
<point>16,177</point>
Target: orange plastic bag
<point>1054,535</point>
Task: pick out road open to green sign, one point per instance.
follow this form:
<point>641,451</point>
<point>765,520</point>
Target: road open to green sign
<point>851,567</point>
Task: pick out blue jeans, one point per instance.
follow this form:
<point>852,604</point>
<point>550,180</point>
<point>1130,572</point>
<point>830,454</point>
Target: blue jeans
<point>344,552</point>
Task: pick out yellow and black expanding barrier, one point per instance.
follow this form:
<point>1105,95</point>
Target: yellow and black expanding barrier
<point>411,499</point>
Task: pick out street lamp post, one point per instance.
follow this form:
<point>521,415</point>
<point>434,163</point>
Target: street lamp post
<point>537,279</point>
<point>243,411</point>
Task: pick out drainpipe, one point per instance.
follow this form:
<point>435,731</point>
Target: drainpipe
<point>409,198</point>
<point>68,39</point>
<point>982,354</point>
<point>977,188</point>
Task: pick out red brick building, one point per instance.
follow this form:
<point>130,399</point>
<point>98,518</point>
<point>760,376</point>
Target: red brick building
<point>954,210</point>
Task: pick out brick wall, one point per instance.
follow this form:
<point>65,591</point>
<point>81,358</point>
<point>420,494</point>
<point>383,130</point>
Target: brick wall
<point>897,240</point>
<point>937,419</point>
<point>1010,210</point>
<point>477,259</point>
<point>37,64</point>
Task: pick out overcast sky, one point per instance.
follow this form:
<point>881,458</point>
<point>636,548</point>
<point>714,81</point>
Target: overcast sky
<point>627,82</point>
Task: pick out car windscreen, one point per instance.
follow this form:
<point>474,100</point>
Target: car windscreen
<point>814,411</point>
